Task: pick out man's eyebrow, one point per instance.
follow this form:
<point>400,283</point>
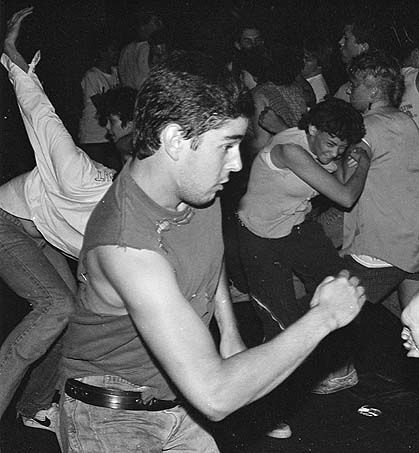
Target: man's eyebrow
<point>333,140</point>
<point>234,137</point>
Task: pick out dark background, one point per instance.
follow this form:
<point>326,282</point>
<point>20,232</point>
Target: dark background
<point>65,31</point>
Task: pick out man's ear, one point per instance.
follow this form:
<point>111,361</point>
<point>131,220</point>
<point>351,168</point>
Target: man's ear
<point>237,45</point>
<point>172,139</point>
<point>312,130</point>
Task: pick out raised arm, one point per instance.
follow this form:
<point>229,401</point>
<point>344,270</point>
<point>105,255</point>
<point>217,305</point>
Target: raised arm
<point>12,34</point>
<point>182,344</point>
<point>63,166</point>
<point>305,167</point>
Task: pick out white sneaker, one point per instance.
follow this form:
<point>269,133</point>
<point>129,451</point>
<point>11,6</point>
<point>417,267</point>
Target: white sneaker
<point>44,419</point>
<point>281,431</point>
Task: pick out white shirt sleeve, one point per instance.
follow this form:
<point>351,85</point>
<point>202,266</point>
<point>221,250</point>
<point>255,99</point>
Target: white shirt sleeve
<point>64,168</point>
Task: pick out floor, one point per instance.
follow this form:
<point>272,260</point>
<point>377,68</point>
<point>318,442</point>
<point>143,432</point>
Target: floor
<point>320,424</point>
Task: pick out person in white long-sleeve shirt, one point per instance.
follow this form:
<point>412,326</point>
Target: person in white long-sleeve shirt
<point>42,213</point>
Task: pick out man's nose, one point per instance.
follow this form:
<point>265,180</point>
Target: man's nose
<point>335,152</point>
<point>235,163</point>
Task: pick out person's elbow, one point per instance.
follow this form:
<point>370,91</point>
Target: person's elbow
<point>347,197</point>
<point>214,408</point>
<point>347,200</point>
<point>216,399</point>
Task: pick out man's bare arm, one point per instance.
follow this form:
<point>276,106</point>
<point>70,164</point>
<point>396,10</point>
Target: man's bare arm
<point>184,347</point>
<point>231,342</point>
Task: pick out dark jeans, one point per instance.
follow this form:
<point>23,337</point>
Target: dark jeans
<point>40,274</point>
<point>269,265</point>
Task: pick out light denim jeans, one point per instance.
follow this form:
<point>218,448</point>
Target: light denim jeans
<point>90,429</point>
<point>40,274</point>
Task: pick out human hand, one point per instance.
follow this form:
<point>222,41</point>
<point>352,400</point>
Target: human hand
<point>340,299</point>
<point>357,154</point>
<point>14,23</point>
<point>410,333</point>
<point>270,121</point>
<point>351,162</point>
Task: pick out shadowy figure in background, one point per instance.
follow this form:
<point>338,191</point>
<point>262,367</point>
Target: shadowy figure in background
<point>160,46</point>
<point>316,61</point>
<point>280,95</point>
<point>358,37</point>
<point>247,37</point>
<point>133,66</point>
<point>116,112</point>
<point>101,77</point>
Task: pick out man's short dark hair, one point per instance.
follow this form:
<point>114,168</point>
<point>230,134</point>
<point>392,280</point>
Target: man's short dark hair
<point>364,30</point>
<point>186,90</point>
<point>336,117</point>
<point>246,25</point>
<point>117,101</point>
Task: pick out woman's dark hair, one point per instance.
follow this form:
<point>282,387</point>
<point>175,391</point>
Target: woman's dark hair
<point>336,117</point>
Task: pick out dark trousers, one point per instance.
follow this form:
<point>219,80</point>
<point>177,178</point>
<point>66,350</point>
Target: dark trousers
<point>378,282</point>
<point>269,265</point>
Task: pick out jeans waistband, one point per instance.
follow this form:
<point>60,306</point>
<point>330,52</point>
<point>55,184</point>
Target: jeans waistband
<point>114,399</point>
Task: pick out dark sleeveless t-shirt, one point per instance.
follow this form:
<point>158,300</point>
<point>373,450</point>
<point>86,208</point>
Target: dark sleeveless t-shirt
<point>192,243</point>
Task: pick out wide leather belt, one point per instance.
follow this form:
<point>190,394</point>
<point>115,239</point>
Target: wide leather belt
<point>114,399</point>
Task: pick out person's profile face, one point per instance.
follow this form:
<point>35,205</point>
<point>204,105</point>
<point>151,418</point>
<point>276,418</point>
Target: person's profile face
<point>115,129</point>
<point>349,46</point>
<point>207,167</point>
<point>360,92</point>
<point>250,38</point>
<point>311,66</point>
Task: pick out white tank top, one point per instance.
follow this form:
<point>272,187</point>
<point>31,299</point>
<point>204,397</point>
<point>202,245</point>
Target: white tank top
<point>410,100</point>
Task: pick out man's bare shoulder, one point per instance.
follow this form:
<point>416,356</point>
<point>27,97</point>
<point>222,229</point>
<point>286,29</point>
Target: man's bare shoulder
<point>281,153</point>
<point>115,273</point>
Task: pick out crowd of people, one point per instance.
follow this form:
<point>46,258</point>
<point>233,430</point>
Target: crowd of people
<point>140,203</point>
